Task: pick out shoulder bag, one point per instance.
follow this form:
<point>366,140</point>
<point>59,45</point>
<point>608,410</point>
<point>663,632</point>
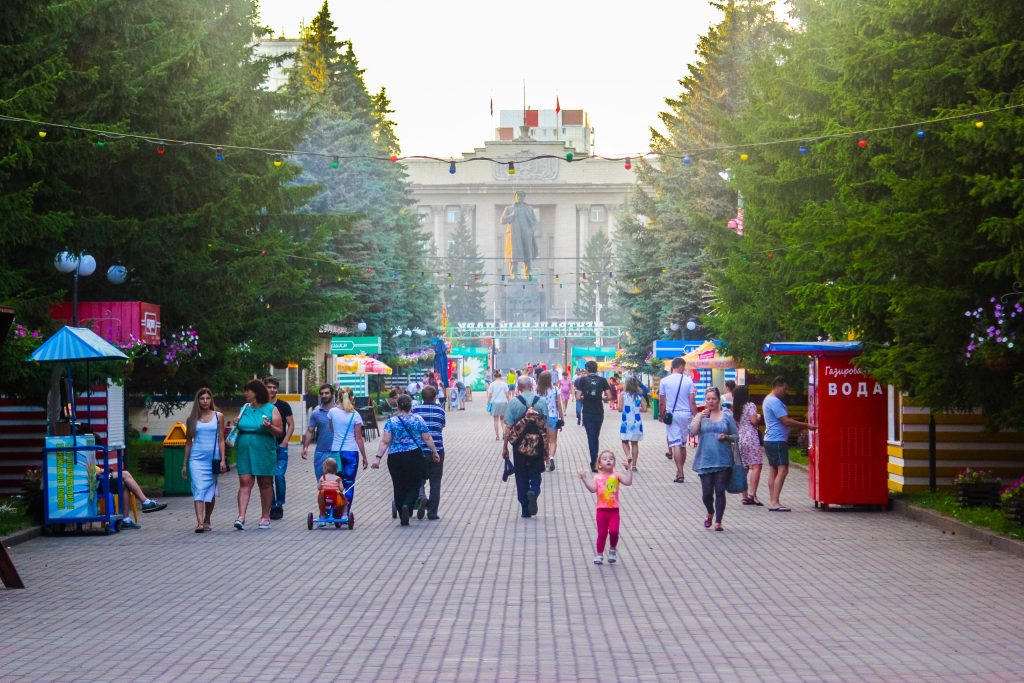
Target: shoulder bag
<point>427,455</point>
<point>233,434</point>
<point>738,476</point>
<point>668,413</point>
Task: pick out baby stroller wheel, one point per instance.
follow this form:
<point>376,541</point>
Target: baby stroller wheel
<point>351,521</point>
<point>309,521</point>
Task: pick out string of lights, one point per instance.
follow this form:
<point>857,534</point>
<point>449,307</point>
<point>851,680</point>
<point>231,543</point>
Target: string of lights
<point>687,156</point>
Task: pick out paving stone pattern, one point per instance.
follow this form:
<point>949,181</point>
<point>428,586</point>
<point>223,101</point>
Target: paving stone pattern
<point>483,595</point>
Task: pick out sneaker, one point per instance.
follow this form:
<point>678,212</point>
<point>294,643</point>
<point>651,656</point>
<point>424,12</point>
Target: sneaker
<point>531,503</point>
<point>277,513</point>
<point>598,559</point>
<point>404,514</point>
<point>264,523</point>
<point>421,508</point>
<point>239,524</point>
<point>433,517</point>
<point>129,523</point>
<point>612,556</point>
<point>153,506</point>
<point>321,525</point>
<point>551,468</point>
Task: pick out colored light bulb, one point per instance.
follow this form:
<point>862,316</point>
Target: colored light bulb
<point>920,132</point>
<point>511,168</point>
<point>744,156</point>
<point>451,168</point>
<point>862,143</point>
<point>687,160</point>
<point>568,156</point>
<point>979,124</point>
<point>160,149</point>
<point>628,164</point>
<point>42,134</point>
<point>803,149</point>
<point>394,158</point>
<point>334,163</point>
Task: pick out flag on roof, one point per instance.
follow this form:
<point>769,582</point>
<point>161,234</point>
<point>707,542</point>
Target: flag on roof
<point>558,105</point>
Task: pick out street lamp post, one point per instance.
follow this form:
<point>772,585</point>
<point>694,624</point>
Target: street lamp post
<point>84,265</point>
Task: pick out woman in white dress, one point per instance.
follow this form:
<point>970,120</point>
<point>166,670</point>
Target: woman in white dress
<point>631,429</point>
<point>204,455</point>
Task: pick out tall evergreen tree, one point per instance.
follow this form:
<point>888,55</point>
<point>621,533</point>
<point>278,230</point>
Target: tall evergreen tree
<point>464,291</point>
<point>594,284</point>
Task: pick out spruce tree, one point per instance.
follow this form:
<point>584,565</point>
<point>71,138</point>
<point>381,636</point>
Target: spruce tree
<point>595,281</point>
<point>464,292</point>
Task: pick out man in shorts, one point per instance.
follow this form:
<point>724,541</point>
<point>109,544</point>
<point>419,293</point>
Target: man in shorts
<point>676,397</point>
<point>320,430</point>
<point>776,440</point>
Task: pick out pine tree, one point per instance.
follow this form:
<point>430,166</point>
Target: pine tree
<point>594,282</point>
<point>464,292</point>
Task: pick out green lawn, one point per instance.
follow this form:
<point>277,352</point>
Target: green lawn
<point>13,517</point>
<point>945,502</point>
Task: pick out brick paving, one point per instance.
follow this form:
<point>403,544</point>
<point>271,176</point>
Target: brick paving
<point>483,595</point>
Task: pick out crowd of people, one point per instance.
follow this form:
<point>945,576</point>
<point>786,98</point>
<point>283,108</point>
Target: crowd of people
<point>528,409</point>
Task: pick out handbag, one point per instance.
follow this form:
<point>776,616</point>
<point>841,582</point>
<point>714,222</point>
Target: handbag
<point>738,476</point>
<point>233,434</point>
<point>668,413</point>
<point>216,446</point>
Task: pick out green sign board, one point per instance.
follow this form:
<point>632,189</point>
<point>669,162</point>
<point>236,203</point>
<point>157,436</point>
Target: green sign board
<point>357,383</point>
<point>343,346</point>
<point>602,351</point>
<point>469,351</point>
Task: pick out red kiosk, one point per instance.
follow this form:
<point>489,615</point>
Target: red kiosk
<point>847,456</point>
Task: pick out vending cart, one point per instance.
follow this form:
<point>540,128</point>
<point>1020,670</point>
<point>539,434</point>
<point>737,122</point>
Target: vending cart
<point>847,458</point>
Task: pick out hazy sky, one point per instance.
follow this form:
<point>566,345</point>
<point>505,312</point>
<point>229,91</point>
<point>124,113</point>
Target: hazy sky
<point>443,61</point>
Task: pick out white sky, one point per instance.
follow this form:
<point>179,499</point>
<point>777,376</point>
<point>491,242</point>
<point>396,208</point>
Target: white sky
<point>443,61</point>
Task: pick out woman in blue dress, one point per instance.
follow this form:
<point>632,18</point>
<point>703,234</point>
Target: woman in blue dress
<point>713,461</point>
<point>631,429</point>
<point>204,449</point>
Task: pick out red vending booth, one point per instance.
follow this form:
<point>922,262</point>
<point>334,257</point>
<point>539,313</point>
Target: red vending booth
<point>847,456</point>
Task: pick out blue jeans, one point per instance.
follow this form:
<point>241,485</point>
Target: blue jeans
<point>347,470</point>
<point>279,485</point>
<point>318,462</point>
<point>592,423</point>
<point>579,410</point>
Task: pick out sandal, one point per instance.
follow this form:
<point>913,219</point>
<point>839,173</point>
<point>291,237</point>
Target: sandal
<point>239,524</point>
<point>207,527</point>
<point>264,523</point>
<point>718,527</point>
<point>199,529</point>
<point>757,502</point>
<point>747,501</point>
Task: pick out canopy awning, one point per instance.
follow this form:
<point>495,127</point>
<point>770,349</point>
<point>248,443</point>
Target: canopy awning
<point>706,356</point>
<point>362,365</point>
<point>75,343</point>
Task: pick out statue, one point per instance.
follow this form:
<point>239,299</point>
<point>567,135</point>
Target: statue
<point>520,235</point>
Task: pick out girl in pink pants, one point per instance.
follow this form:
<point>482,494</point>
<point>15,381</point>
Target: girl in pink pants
<point>606,485</point>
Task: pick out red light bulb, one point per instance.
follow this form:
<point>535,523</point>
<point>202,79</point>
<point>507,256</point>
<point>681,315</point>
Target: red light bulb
<point>862,143</point>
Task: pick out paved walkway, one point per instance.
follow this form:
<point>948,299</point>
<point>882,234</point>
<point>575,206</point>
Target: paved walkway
<point>483,595</point>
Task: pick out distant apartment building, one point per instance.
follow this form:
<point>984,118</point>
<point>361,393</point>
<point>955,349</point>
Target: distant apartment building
<point>571,126</point>
<point>277,77</point>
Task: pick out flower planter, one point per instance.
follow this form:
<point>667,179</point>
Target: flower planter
<point>1014,509</point>
<point>978,494</point>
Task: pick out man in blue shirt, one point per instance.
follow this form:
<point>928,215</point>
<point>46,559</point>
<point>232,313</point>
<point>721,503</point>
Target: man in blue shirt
<point>320,430</point>
<point>776,440</point>
<point>434,416</point>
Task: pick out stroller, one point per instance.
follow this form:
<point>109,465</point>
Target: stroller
<point>331,503</point>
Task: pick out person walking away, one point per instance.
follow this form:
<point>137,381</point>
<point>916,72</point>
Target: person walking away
<point>565,392</point>
<point>676,406</point>
<point>713,461</point>
<point>512,376</point>
<point>747,420</point>
<point>347,445</point>
<point>613,391</point>
<point>497,398</point>
<point>776,440</point>
<point>319,430</point>
<point>403,433</point>
<point>727,397</point>
<point>434,417</point>
<point>606,483</point>
<point>461,387</point>
<point>592,390</point>
<point>526,423</point>
<point>259,431</point>
<point>288,420</point>
<point>631,428</point>
<point>204,455</point>
<point>576,397</point>
<point>547,391</point>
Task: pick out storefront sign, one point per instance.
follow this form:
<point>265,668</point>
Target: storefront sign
<point>341,346</point>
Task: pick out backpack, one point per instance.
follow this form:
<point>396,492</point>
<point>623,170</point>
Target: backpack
<point>592,387</point>
<point>528,435</point>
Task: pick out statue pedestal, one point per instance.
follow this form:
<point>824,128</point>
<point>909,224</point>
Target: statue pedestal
<point>523,301</point>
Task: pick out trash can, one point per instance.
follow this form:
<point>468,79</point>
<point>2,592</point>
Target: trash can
<point>174,457</point>
<point>654,407</point>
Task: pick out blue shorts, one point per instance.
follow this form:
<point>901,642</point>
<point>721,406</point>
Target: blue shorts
<point>552,423</point>
<point>777,453</point>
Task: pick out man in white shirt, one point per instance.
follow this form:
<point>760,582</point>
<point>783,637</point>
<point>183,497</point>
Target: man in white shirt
<point>676,397</point>
<point>497,399</point>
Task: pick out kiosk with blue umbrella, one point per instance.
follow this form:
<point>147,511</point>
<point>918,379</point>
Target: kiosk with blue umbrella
<point>76,470</point>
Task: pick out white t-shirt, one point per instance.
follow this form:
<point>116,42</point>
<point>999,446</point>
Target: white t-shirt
<point>680,385</point>
<point>340,422</point>
<point>498,391</point>
<point>413,387</point>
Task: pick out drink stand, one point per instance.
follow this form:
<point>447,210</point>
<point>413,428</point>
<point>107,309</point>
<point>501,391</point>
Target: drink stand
<point>847,454</point>
<point>73,488</point>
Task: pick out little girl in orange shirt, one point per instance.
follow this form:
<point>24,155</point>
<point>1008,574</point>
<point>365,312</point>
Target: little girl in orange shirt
<point>606,485</point>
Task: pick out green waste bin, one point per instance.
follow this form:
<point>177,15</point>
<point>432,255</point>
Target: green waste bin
<point>174,458</point>
<point>654,407</point>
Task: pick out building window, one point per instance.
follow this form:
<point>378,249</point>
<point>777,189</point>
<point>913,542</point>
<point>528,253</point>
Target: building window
<point>452,214</point>
<point>598,214</point>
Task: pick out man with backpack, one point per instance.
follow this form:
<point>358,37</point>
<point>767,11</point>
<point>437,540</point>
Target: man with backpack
<point>526,421</point>
<point>592,390</point>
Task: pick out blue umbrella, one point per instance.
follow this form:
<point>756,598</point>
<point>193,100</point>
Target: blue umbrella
<point>441,360</point>
<point>75,343</point>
